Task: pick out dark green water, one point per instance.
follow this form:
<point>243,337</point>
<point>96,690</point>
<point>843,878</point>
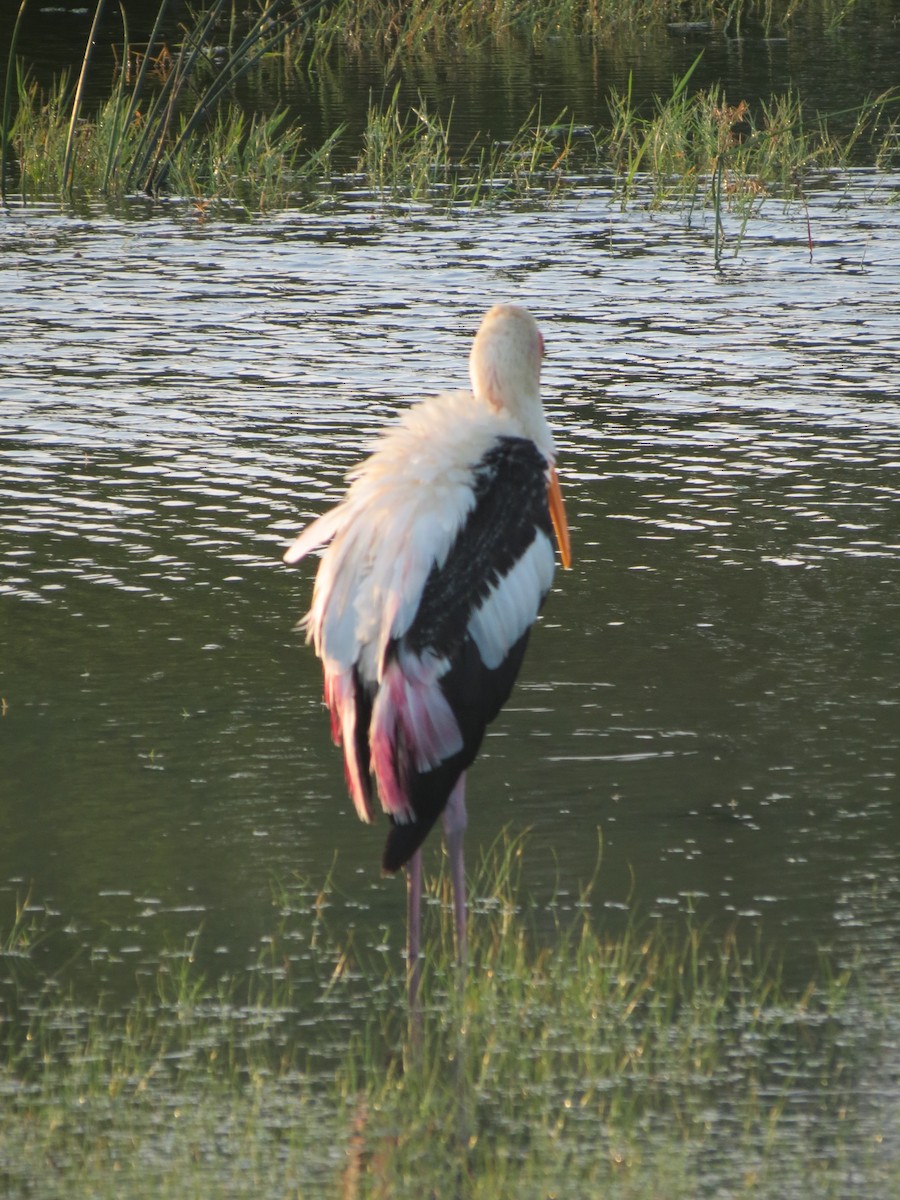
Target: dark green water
<point>714,687</point>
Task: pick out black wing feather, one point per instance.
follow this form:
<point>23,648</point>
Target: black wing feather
<point>510,508</point>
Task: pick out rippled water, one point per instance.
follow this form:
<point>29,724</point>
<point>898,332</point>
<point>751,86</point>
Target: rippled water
<point>714,687</point>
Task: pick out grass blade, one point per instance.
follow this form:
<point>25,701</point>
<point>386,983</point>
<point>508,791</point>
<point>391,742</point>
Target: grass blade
<point>187,59</point>
<point>719,236</point>
<point>138,87</point>
<point>118,124</point>
<point>4,119</point>
<point>68,166</point>
<point>682,83</point>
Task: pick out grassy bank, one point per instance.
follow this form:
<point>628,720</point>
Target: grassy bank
<point>655,1063</point>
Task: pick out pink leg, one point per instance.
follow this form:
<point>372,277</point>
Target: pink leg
<point>414,929</point>
<point>455,822</point>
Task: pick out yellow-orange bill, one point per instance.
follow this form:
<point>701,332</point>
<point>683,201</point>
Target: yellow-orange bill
<point>558,517</point>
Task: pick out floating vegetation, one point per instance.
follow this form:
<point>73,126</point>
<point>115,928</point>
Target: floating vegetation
<point>655,1062</point>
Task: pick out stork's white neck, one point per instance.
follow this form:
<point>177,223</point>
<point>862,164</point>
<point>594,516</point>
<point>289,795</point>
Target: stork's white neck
<point>505,369</point>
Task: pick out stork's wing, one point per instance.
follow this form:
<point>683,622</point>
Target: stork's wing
<point>462,653</point>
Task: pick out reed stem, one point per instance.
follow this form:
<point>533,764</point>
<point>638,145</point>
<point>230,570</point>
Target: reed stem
<point>7,87</point>
<point>68,161</point>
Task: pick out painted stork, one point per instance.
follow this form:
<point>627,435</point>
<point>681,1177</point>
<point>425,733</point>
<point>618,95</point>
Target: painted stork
<point>438,560</point>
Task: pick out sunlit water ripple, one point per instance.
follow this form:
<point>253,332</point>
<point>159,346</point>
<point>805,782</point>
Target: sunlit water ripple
<point>714,686</point>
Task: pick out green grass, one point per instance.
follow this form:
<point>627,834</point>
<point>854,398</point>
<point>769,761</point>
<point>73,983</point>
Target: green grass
<point>409,157</point>
<point>254,160</point>
<point>174,128</point>
<point>681,149</point>
<point>171,126</point>
<point>656,1062</point>
<point>679,145</point>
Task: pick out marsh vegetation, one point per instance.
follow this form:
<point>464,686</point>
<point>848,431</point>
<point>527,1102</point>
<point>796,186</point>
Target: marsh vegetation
<point>657,1061</point>
<point>172,124</point>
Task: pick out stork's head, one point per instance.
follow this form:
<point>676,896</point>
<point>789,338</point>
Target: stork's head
<point>505,369</point>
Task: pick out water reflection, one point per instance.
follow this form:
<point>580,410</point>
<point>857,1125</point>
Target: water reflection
<point>715,688</point>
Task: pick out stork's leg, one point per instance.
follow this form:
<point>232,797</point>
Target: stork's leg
<point>414,929</point>
<point>455,822</point>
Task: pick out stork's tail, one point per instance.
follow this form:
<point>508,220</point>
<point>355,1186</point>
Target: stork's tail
<point>428,793</point>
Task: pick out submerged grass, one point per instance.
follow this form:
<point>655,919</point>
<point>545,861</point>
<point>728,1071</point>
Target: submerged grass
<point>566,1062</point>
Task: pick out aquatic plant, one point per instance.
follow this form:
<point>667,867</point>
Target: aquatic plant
<point>23,933</point>
<point>186,132</point>
<point>682,143</point>
<point>653,1061</point>
<point>695,148</point>
<point>408,157</point>
<point>172,126</point>
<point>257,160</point>
<point>690,148</point>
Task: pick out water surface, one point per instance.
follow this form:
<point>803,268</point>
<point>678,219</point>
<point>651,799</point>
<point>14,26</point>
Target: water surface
<point>713,689</point>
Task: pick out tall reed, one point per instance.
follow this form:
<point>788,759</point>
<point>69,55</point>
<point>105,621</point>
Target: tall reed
<point>11,71</point>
